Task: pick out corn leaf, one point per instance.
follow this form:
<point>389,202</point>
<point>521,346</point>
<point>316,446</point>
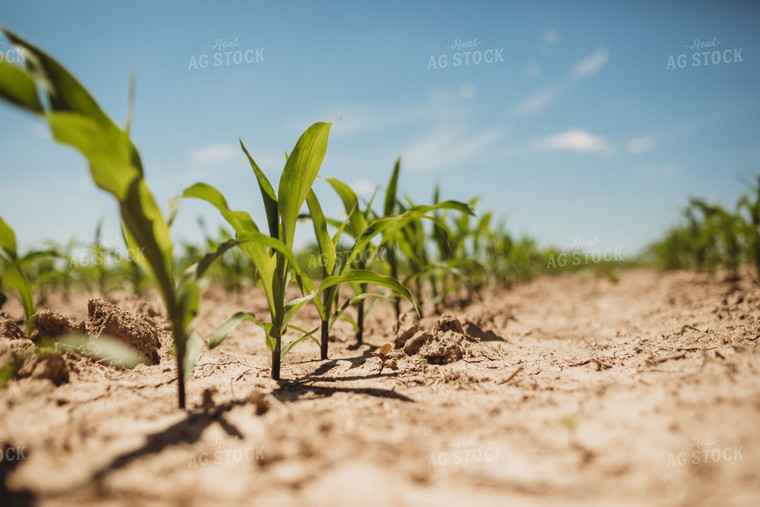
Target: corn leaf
<point>298,176</point>
<point>8,239</point>
<point>267,194</point>
<point>306,334</point>
<point>350,204</point>
<point>193,348</point>
<point>229,325</point>
<point>103,348</point>
<point>390,192</point>
<point>18,88</point>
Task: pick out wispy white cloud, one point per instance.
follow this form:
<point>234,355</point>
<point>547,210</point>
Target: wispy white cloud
<point>551,36</point>
<point>536,102</point>
<point>641,145</point>
<point>591,64</point>
<point>532,70</point>
<point>448,146</point>
<point>467,90</point>
<point>541,99</point>
<point>213,153</point>
<point>574,140</point>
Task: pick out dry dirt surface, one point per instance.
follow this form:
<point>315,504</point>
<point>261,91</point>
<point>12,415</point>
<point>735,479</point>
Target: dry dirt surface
<point>557,392</point>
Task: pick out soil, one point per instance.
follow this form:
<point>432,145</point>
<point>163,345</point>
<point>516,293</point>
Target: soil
<point>562,391</point>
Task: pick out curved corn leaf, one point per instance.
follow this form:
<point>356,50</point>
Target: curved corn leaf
<point>353,276</point>
<point>390,192</point>
<point>324,241</point>
<point>229,325</point>
<point>193,349</point>
<point>8,239</point>
<point>300,171</point>
<point>267,195</point>
<point>64,91</point>
<point>350,204</point>
<point>103,348</point>
<point>18,88</point>
<point>360,297</point>
<point>306,334</point>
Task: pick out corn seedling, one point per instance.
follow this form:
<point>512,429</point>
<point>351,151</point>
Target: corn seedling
<point>751,227</point>
<point>75,119</point>
<point>335,266</point>
<point>12,275</point>
<point>383,355</point>
<point>273,255</point>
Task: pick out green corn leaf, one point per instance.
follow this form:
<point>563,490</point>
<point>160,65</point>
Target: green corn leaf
<point>324,241</point>
<point>390,192</point>
<point>103,348</point>
<point>174,203</point>
<point>14,278</point>
<point>147,235</point>
<point>106,149</point>
<point>18,88</point>
<point>229,325</point>
<point>66,93</point>
<point>7,239</point>
<point>350,320</point>
<point>242,224</point>
<point>301,169</point>
<point>194,347</point>
<point>267,194</point>
<point>241,221</point>
<point>353,276</point>
<point>351,206</point>
<point>306,334</point>
<point>351,301</point>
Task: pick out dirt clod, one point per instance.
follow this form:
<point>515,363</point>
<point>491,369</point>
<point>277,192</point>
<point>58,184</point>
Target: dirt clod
<point>50,324</point>
<point>138,332</point>
<point>9,329</point>
<point>447,347</point>
<point>419,339</point>
<point>443,343</point>
<point>448,322</point>
<point>408,325</point>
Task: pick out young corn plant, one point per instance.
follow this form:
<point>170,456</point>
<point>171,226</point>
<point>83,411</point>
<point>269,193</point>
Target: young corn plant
<point>751,202</point>
<point>366,224</point>
<point>338,264</point>
<point>357,224</point>
<point>273,254</point>
<point>75,119</point>
<point>12,275</point>
<point>411,240</point>
<point>728,227</point>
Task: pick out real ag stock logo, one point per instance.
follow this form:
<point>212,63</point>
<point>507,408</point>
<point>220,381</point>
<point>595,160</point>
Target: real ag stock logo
<point>11,55</point>
<point>704,53</point>
<point>225,53</point>
<point>465,53</point>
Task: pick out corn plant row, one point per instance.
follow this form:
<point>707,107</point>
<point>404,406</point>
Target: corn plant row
<point>711,236</point>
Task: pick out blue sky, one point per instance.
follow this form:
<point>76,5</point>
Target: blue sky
<point>578,131</point>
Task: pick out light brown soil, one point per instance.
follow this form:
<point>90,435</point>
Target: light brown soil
<point>645,392</point>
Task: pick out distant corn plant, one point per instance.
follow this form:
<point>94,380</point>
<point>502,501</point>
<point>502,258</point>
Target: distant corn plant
<point>13,277</point>
<point>750,202</point>
<point>396,222</point>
